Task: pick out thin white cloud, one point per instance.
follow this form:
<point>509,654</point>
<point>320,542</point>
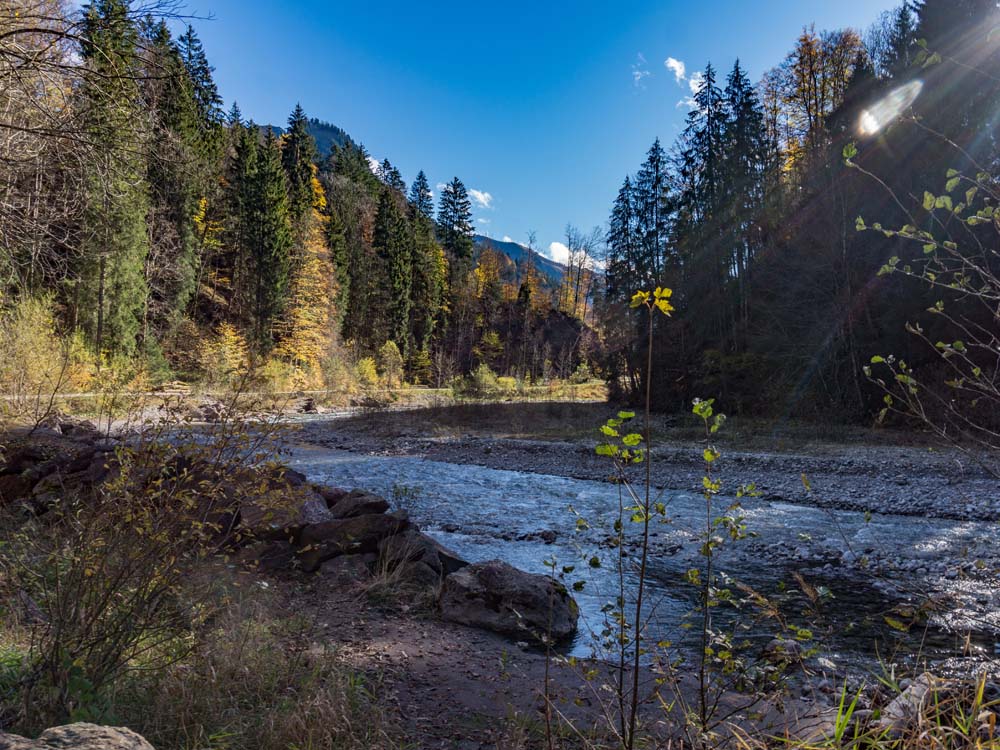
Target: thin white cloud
<point>482,221</point>
<point>373,164</point>
<point>481,198</point>
<point>640,71</point>
<point>508,238</point>
<point>678,68</point>
<point>687,101</point>
<point>441,186</point>
<point>559,252</point>
<point>695,81</point>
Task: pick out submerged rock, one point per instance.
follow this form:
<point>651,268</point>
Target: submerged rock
<point>78,737</point>
<point>499,597</point>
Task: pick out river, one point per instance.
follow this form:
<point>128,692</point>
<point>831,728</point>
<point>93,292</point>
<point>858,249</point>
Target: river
<point>525,519</point>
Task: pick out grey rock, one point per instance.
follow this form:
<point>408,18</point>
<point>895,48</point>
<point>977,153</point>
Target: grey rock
<point>905,709</point>
<point>358,503</point>
<point>78,737</point>
<point>783,651</point>
<point>499,597</point>
<point>280,516</point>
<point>323,541</point>
<point>411,546</point>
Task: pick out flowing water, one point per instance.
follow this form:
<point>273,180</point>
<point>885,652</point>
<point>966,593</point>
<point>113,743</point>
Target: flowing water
<point>483,514</point>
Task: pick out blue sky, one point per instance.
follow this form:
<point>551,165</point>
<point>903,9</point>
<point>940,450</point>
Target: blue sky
<point>541,107</point>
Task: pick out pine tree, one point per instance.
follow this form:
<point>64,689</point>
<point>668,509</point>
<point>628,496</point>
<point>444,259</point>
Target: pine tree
<point>270,240</point>
<point>652,216</point>
<point>744,164</point>
<point>421,198</point>
<point>111,287</point>
<point>179,174</point>
<point>206,93</point>
<point>392,244</point>
<point>454,221</point>
<point>391,177</point>
<point>622,271</point>
<point>298,154</point>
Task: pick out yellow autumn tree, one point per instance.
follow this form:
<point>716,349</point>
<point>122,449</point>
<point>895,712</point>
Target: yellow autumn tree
<point>306,333</point>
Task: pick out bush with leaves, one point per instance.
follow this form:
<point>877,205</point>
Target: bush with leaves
<point>958,237</point>
<point>105,557</point>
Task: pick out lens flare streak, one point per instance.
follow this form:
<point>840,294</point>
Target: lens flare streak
<point>877,117</point>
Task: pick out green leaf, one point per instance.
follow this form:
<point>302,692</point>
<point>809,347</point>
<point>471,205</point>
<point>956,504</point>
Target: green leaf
<point>632,439</point>
<point>850,151</point>
<point>895,624</point>
<point>952,184</point>
<point>639,299</point>
<point>944,201</point>
<point>626,415</point>
<point>928,201</point>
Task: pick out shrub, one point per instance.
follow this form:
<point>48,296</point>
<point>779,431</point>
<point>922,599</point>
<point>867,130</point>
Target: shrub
<point>367,373</point>
<point>34,362</point>
<point>390,364</point>
<point>225,357</point>
<point>581,375</point>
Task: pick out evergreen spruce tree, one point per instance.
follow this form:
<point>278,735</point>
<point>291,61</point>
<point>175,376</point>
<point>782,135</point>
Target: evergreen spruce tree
<point>391,177</point>
<point>240,204</point>
<point>205,92</point>
<point>393,246</point>
<point>298,154</point>
<point>744,163</point>
<point>902,40</point>
<point>111,286</point>
<point>701,205</point>
<point>421,198</point>
<point>652,215</point>
<point>270,240</point>
<point>622,271</point>
<point>454,222</point>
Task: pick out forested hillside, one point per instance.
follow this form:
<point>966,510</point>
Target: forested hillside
<point>151,233</point>
<point>751,216</point>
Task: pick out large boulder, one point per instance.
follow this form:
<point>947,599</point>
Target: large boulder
<point>358,503</point>
<point>499,597</point>
<point>347,536</point>
<point>78,737</point>
<point>414,548</point>
<point>277,515</point>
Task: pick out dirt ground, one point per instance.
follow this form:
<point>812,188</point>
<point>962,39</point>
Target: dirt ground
<point>450,686</point>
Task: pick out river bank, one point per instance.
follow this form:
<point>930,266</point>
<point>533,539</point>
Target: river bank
<point>847,469</point>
